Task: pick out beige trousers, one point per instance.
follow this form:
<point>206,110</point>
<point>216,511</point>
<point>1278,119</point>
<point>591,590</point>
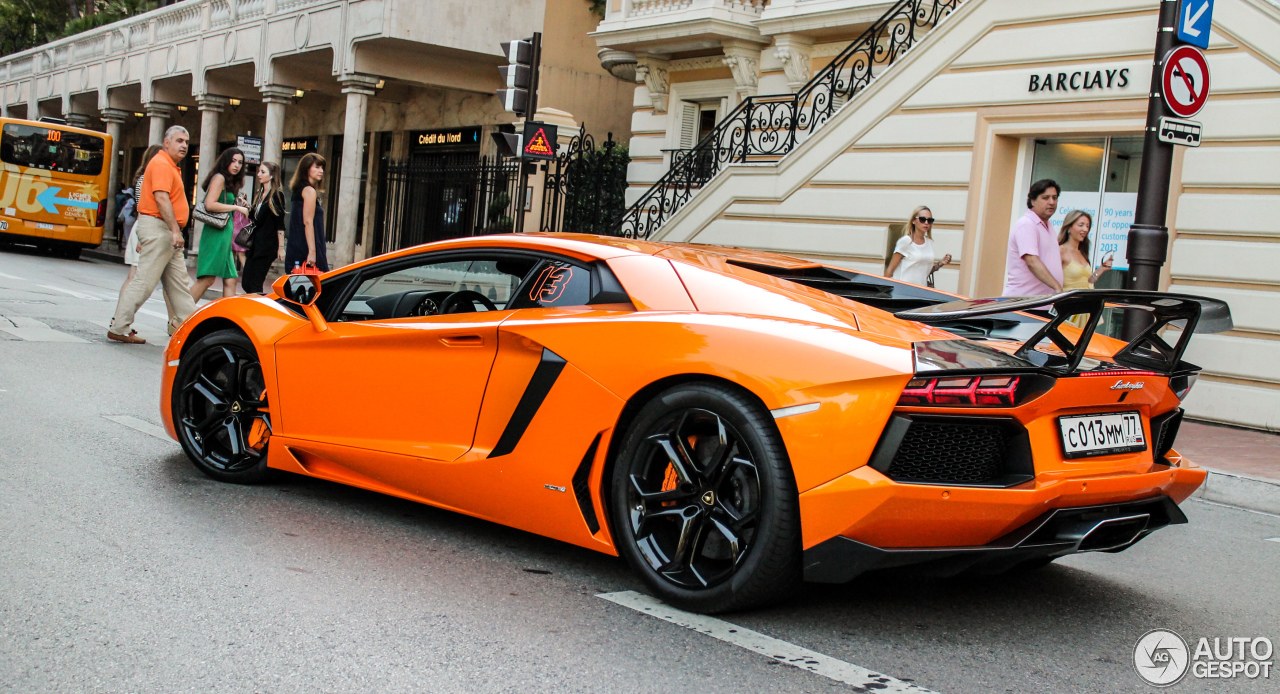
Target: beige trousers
<point>158,261</point>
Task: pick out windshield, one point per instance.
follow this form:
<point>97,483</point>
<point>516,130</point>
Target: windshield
<point>52,149</point>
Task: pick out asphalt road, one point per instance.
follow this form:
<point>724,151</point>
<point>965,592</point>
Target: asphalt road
<point>125,570</point>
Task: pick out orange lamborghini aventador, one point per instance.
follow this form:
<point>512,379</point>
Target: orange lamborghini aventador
<point>731,422</point>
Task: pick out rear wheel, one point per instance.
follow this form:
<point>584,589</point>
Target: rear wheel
<point>704,503</point>
<point>220,408</point>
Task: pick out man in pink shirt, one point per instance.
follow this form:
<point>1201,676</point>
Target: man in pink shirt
<point>1033,265</point>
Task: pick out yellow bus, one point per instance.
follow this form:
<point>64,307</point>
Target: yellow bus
<point>53,184</point>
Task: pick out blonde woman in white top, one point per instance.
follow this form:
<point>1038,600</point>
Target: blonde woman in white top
<point>913,258</point>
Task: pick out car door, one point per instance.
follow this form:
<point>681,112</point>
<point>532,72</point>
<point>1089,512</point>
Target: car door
<point>391,373</point>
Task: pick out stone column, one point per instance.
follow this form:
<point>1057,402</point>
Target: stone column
<point>358,89</point>
<point>114,118</point>
<point>275,97</point>
<point>159,115</point>
<point>211,107</point>
<point>78,120</point>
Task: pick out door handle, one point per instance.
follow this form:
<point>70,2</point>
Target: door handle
<point>463,341</point>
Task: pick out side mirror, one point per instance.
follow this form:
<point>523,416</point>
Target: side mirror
<point>302,290</point>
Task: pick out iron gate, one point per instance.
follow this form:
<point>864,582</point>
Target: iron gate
<point>431,199</point>
<point>584,188</point>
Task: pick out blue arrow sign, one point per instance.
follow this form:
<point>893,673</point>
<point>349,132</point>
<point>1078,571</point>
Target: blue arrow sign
<point>49,200</point>
<point>1194,19</point>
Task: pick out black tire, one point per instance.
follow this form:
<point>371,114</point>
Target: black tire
<point>218,393</point>
<point>70,251</point>
<point>733,508</point>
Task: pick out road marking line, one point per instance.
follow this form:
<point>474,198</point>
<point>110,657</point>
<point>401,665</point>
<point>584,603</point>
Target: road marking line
<point>1273,539</point>
<point>32,330</point>
<point>70,292</point>
<point>153,314</point>
<point>779,650</point>
<point>12,277</point>
<point>139,425</point>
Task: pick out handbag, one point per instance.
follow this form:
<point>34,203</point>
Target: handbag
<point>244,237</point>
<point>306,269</point>
<point>210,219</point>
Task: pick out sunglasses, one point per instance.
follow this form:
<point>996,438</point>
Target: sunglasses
<point>925,220</point>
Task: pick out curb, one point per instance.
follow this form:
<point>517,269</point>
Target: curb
<point>99,254</point>
<point>1245,491</point>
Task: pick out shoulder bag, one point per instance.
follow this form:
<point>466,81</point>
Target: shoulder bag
<point>244,235</point>
<point>210,219</point>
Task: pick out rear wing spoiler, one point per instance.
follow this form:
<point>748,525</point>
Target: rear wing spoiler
<point>1148,351</point>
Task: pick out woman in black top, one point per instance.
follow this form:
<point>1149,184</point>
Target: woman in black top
<point>268,228</point>
<point>306,217</point>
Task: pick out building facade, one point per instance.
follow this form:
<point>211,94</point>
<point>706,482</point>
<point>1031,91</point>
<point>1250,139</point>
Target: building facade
<point>963,105</point>
<point>381,88</point>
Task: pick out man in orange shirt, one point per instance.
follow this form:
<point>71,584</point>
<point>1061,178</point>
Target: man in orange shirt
<point>162,212</point>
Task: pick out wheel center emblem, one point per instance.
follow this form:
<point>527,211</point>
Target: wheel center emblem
<point>235,407</point>
<point>709,498</point>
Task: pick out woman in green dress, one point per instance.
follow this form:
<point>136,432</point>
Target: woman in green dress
<point>216,258</point>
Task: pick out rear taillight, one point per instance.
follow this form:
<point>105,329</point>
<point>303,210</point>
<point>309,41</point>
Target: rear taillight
<point>974,391</point>
<point>102,213</point>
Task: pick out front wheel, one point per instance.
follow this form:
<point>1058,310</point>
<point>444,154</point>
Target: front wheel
<point>220,408</point>
<point>704,503</point>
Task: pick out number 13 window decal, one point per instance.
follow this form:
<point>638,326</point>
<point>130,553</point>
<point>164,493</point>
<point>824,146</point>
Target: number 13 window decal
<point>551,284</point>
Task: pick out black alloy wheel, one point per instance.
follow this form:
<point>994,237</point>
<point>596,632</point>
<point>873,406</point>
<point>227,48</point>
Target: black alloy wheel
<point>220,408</point>
<point>704,500</point>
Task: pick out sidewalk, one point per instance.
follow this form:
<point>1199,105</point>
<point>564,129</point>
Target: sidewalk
<point>1243,464</point>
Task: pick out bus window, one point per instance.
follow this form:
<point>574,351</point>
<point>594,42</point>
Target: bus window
<point>55,150</point>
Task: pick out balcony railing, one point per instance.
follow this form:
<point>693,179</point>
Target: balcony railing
<point>630,9</point>
<point>169,23</point>
<point>766,128</point>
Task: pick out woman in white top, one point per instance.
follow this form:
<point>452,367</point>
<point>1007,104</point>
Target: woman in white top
<point>912,259</point>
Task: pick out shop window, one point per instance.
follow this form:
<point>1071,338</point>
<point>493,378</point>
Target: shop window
<point>1099,176</point>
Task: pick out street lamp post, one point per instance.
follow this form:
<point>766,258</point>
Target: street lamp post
<point>1149,237</point>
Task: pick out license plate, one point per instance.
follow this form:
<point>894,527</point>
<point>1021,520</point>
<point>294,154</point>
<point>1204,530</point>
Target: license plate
<point>44,225</point>
<point>1102,434</point>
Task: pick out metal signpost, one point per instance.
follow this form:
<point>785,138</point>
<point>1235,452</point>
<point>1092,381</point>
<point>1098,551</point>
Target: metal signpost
<point>1179,88</point>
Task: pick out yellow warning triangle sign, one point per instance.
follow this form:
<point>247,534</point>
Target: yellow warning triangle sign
<point>538,145</point>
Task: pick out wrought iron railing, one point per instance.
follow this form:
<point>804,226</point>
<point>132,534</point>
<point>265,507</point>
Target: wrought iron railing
<point>584,188</point>
<point>445,197</point>
<point>766,128</point>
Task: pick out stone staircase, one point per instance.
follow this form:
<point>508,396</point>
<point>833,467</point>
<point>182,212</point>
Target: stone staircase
<point>762,130</point>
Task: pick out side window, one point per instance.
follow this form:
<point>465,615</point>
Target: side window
<point>480,284</point>
<point>554,284</point>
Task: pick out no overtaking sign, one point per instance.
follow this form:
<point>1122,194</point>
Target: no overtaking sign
<point>1185,83</point>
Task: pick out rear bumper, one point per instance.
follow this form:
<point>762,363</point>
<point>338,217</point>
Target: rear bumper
<point>1062,531</point>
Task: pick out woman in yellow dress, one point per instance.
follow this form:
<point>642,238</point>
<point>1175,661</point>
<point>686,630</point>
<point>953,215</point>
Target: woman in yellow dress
<point>1073,242</point>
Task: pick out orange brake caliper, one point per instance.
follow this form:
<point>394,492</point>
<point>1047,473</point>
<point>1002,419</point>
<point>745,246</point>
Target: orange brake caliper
<point>260,431</point>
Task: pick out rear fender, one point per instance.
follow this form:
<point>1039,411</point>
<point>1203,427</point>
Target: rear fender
<point>853,378</point>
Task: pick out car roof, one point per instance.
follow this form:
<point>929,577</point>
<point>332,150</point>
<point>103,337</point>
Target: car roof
<point>592,246</point>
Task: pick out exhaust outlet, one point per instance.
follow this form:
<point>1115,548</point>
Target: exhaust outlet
<point>1114,533</point>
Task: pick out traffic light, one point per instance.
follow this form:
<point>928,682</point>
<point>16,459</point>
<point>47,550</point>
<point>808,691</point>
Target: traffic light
<point>520,76</point>
<point>510,143</point>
